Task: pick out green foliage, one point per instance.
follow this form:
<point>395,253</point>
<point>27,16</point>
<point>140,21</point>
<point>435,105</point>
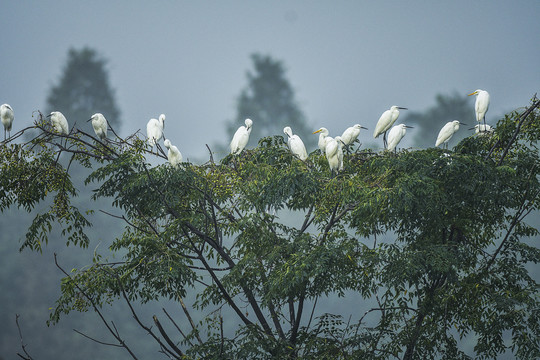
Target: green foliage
<point>434,239</point>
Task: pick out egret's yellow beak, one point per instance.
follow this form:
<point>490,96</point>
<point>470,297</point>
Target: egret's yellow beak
<point>474,93</point>
<point>318,131</point>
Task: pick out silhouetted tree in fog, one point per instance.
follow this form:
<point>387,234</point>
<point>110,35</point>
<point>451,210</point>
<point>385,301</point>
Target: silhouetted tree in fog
<point>268,99</point>
<point>83,89</point>
<point>447,108</point>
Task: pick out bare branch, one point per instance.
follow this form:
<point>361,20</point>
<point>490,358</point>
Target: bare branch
<point>23,345</point>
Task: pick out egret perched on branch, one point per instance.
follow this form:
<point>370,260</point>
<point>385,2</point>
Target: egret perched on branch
<point>350,134</point>
<point>323,134</point>
<point>481,129</point>
<point>174,155</point>
<point>241,137</point>
<point>6,116</point>
<point>154,129</point>
<point>59,122</point>
<point>99,123</point>
<point>334,153</point>
<point>296,145</point>
<point>396,134</point>
<point>481,105</point>
<point>387,119</point>
<point>447,132</point>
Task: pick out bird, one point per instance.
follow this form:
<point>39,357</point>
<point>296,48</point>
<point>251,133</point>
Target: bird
<point>447,132</point>
<point>174,155</point>
<point>296,145</point>
<point>323,134</point>
<point>241,137</point>
<point>154,129</point>
<point>59,122</point>
<point>482,129</point>
<point>387,119</point>
<point>6,116</point>
<point>481,105</point>
<point>334,153</point>
<point>99,123</point>
<point>339,140</point>
<point>350,134</point>
<point>395,135</point>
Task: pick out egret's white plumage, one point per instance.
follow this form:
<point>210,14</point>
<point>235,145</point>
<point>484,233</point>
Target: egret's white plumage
<point>481,105</point>
<point>6,116</point>
<point>241,137</point>
<point>174,155</point>
<point>323,134</point>
<point>99,124</point>
<point>296,145</point>
<point>447,132</point>
<point>482,129</point>
<point>395,135</point>
<point>340,143</point>
<point>59,122</point>
<point>387,119</point>
<point>351,134</point>
<point>154,129</point>
<point>331,151</point>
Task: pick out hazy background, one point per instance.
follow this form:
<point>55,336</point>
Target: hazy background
<point>348,61</point>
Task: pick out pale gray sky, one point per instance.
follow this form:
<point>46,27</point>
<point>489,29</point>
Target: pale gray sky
<point>347,60</point>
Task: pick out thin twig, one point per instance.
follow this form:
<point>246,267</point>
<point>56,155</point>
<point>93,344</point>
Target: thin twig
<point>23,345</point>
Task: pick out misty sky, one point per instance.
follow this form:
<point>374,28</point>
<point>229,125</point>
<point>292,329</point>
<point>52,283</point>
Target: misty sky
<point>348,61</point>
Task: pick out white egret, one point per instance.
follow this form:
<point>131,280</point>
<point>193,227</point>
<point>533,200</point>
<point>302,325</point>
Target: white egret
<point>447,132</point>
<point>323,134</point>
<point>241,137</point>
<point>6,116</point>
<point>99,123</point>
<point>481,105</point>
<point>339,140</point>
<point>331,148</point>
<point>350,134</point>
<point>334,153</point>
<point>59,122</point>
<point>387,119</point>
<point>174,155</point>
<point>482,129</point>
<point>296,145</point>
<point>154,129</point>
<point>395,135</point>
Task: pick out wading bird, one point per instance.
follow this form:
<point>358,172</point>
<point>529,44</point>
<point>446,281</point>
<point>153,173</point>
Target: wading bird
<point>334,153</point>
<point>323,134</point>
<point>387,119</point>
<point>296,145</point>
<point>241,137</point>
<point>350,135</point>
<point>174,155</point>
<point>99,123</point>
<point>59,122</point>
<point>6,116</point>
<point>481,105</point>
<point>396,134</point>
<point>447,132</point>
<point>154,129</point>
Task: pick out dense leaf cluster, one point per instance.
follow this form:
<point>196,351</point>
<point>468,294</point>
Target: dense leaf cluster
<point>435,240</point>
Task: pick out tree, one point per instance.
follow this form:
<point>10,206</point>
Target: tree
<point>268,99</point>
<point>453,262</point>
<point>83,90</point>
<point>430,122</point>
